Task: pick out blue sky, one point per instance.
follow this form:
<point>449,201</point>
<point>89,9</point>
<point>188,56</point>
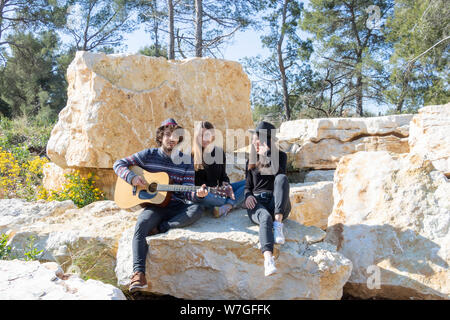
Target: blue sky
<point>246,43</point>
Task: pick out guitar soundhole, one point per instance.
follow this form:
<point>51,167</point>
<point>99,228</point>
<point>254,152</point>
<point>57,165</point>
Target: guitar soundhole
<point>152,187</point>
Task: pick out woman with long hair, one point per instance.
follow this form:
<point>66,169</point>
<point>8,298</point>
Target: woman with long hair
<point>267,191</point>
<point>210,169</point>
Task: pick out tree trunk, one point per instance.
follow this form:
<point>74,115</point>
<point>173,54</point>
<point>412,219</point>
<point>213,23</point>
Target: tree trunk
<point>155,29</point>
<point>88,20</point>
<point>359,95</point>
<point>281,65</point>
<point>2,7</point>
<point>399,105</point>
<point>198,28</point>
<point>359,51</point>
<point>285,88</point>
<point>405,83</point>
<point>171,31</point>
<point>179,44</point>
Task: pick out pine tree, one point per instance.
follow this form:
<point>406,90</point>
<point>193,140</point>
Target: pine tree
<point>351,47</point>
<point>33,77</point>
<point>287,67</point>
<point>419,31</point>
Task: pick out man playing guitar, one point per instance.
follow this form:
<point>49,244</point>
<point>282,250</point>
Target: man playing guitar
<point>156,219</point>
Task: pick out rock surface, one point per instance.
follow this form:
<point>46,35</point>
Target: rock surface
<point>16,213</point>
<point>312,203</point>
<point>116,102</point>
<point>343,129</point>
<point>430,136</point>
<point>31,280</point>
<point>235,167</point>
<point>391,217</point>
<point>220,259</point>
<point>319,175</point>
<point>320,143</point>
<point>83,238</point>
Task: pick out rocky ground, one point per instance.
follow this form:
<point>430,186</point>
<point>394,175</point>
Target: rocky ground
<point>370,197</point>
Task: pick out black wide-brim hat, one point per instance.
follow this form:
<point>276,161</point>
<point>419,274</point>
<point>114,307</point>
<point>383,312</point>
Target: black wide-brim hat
<point>264,125</point>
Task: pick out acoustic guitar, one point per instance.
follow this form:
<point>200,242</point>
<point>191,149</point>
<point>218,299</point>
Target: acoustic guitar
<point>157,191</point>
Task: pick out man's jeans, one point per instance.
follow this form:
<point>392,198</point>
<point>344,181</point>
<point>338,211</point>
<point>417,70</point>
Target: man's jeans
<point>176,214</point>
<point>264,211</point>
<point>212,200</point>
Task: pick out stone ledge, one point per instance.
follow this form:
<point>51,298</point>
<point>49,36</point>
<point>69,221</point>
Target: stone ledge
<point>221,259</point>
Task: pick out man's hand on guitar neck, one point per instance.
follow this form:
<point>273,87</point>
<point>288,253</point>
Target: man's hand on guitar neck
<point>202,192</point>
<point>139,181</point>
<point>228,190</point>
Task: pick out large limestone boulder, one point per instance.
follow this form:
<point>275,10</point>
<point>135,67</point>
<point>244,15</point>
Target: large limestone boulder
<point>31,280</point>
<point>85,239</point>
<point>429,136</point>
<point>235,167</point>
<point>319,175</point>
<point>391,218</point>
<point>116,102</point>
<point>320,143</point>
<point>312,203</point>
<point>15,213</point>
<point>220,259</point>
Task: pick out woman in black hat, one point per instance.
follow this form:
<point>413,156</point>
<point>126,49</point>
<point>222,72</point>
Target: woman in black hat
<point>267,191</point>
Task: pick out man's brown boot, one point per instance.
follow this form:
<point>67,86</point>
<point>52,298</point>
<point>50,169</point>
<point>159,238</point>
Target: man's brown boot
<point>154,231</point>
<point>138,282</point>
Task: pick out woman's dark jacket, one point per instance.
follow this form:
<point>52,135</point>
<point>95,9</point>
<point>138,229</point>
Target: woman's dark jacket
<point>213,174</point>
<point>257,183</point>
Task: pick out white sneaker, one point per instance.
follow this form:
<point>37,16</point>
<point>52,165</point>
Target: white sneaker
<point>278,232</point>
<point>269,267</point>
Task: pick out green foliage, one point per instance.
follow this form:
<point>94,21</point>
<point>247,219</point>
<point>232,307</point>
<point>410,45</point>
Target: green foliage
<point>351,65</point>
<point>33,79</point>
<point>22,141</point>
<point>93,260</point>
<point>5,109</point>
<point>350,53</point>
<point>29,14</point>
<point>5,250</point>
<point>25,136</point>
<point>294,52</point>
<point>21,154</point>
<point>152,51</point>
<point>419,76</point>
<point>20,175</point>
<point>81,190</point>
<point>405,110</point>
<point>273,114</point>
<point>30,251</point>
<point>154,15</point>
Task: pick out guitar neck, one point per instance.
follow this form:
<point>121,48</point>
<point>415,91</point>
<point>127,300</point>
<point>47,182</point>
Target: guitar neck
<point>179,188</point>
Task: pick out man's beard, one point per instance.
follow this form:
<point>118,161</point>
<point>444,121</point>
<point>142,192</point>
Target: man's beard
<point>168,149</point>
